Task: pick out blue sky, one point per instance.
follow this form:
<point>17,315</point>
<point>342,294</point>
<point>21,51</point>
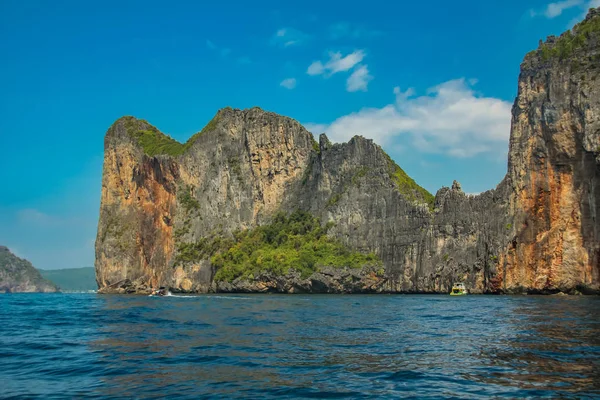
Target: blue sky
<point>432,82</point>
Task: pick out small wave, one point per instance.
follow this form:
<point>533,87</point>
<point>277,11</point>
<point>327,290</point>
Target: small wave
<point>297,346</point>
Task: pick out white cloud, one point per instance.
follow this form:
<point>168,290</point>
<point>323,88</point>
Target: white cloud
<point>336,63</point>
<point>316,68</point>
<point>286,37</point>
<point>452,119</point>
<point>344,29</point>
<point>359,79</point>
<point>556,9</point>
<point>289,83</point>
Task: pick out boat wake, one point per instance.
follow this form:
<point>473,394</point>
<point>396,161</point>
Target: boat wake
<point>167,293</point>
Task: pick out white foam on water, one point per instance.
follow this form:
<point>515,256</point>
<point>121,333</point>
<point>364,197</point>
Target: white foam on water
<point>208,297</point>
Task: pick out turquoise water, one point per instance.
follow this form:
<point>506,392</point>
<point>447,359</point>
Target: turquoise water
<point>263,346</point>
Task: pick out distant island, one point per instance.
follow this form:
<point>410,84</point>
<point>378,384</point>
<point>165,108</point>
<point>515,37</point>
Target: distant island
<point>253,203</point>
<point>72,279</point>
<point>18,275</point>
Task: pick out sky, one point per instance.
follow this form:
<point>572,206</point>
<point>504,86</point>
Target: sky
<point>431,82</point>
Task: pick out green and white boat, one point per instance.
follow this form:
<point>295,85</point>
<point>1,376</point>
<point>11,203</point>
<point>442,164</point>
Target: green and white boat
<point>458,290</point>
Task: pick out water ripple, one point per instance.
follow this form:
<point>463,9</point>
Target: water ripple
<point>266,346</point>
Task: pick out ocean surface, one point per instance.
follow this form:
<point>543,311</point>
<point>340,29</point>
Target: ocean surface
<point>296,346</point>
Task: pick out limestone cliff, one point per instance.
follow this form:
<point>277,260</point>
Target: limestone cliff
<point>537,231</point>
<point>18,275</point>
<point>554,165</point>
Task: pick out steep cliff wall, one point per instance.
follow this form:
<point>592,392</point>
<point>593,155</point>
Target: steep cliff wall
<point>537,231</point>
<point>160,197</point>
<point>554,165</point>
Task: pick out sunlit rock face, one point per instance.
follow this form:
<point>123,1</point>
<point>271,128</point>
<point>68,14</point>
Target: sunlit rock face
<point>554,166</point>
<point>537,231</point>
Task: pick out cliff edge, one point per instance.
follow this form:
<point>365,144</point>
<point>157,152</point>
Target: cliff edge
<point>172,212</point>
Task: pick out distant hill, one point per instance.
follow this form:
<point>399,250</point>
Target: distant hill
<point>72,279</point>
<point>18,275</point>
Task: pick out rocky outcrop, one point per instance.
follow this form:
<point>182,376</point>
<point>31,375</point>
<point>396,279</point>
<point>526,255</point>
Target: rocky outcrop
<point>537,231</point>
<point>327,280</point>
<point>234,174</point>
<point>18,275</point>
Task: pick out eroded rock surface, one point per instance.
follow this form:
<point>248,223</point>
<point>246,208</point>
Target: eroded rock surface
<point>537,231</point>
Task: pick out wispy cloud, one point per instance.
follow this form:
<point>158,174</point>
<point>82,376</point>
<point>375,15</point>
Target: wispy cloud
<point>289,83</point>
<point>35,218</point>
<point>336,63</point>
<point>224,51</point>
<point>210,45</point>
<point>556,9</point>
<point>342,30</point>
<point>452,119</point>
<point>286,37</point>
<point>359,79</point>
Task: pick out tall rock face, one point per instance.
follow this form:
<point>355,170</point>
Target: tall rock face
<point>18,275</point>
<point>232,175</point>
<point>554,165</point>
<point>537,231</point>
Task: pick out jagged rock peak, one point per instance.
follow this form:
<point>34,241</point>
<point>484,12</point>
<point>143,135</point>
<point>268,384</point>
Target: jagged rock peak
<point>324,142</point>
<point>154,142</point>
<point>456,186</point>
<point>253,113</point>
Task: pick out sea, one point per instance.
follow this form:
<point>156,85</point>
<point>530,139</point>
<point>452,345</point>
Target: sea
<point>299,346</point>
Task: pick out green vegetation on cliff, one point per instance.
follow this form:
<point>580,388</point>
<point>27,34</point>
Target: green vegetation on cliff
<point>407,186</point>
<point>570,41</point>
<point>154,142</point>
<point>297,241</point>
